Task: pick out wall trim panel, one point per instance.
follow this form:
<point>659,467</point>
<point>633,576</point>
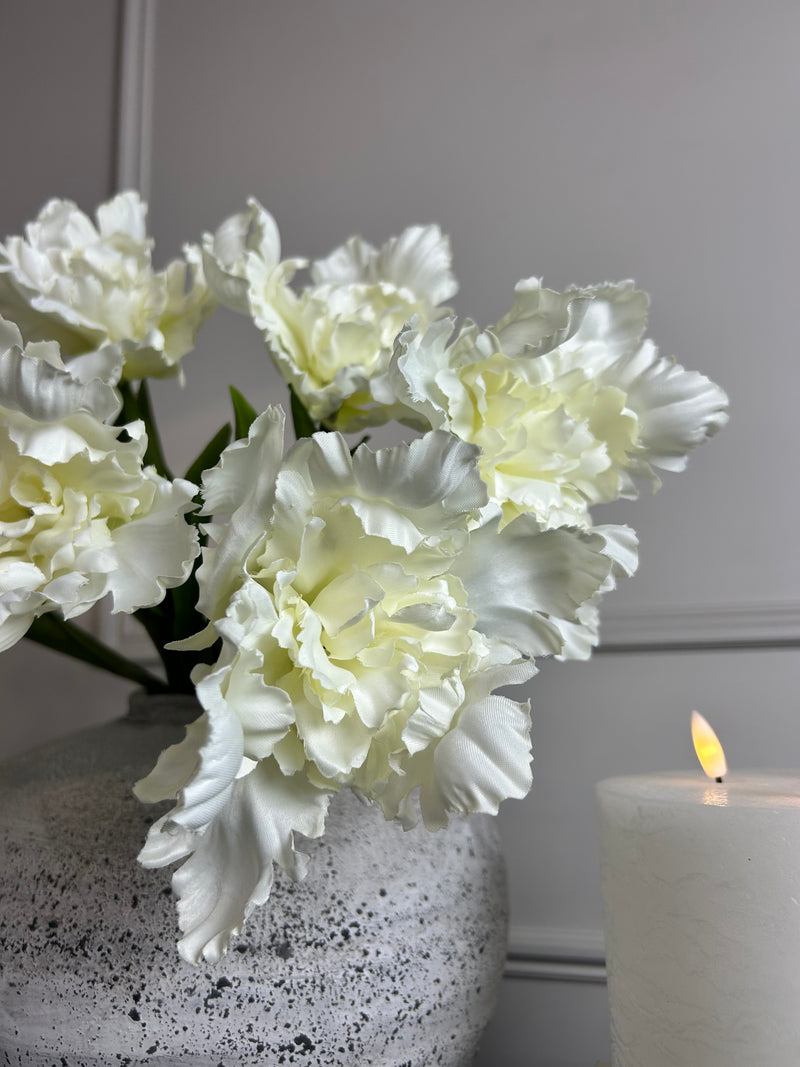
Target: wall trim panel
<point>557,943</point>
<point>650,629</point>
<point>555,971</point>
<point>554,954</point>
<point>700,626</point>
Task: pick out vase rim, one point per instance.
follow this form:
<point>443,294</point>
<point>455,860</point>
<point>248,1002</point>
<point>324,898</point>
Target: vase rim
<point>178,708</point>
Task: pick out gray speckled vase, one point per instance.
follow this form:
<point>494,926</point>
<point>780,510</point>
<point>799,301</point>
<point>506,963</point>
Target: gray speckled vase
<point>390,952</point>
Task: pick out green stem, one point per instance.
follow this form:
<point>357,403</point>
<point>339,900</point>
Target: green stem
<point>130,409</point>
<point>159,630</point>
<point>155,451</point>
<point>61,636</point>
<point>304,425</point>
<point>363,441</point>
<point>173,620</point>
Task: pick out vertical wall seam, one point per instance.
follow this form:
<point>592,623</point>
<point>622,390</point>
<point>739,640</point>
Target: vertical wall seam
<point>131,168</point>
<point>135,88</point>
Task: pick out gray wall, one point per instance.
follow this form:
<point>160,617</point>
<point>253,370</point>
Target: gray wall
<point>578,140</point>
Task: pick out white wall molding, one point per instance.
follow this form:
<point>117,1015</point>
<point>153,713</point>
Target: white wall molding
<point>555,954</point>
<point>568,944</point>
<point>700,626</point>
<point>555,971</point>
<point>650,629</point>
<point>135,95</point>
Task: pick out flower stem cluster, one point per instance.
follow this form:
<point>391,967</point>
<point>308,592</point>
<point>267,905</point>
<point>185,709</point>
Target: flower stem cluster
<point>347,618</point>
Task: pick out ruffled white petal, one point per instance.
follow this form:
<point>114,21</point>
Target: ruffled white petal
<point>176,765</point>
<point>85,287</point>
<point>436,477</point>
<point>231,869</point>
<point>368,610</point>
<point>82,516</point>
<point>565,400</point>
<point>38,384</point>
<point>240,490</point>
<point>419,374</point>
<point>20,601</point>
<point>581,635</point>
<point>141,577</point>
<point>264,712</point>
<point>479,759</point>
<point>125,214</point>
<point>482,762</point>
<point>677,410</point>
<point>332,337</point>
<point>522,580</point>
<point>611,319</point>
<point>166,843</point>
<point>419,259</point>
<point>226,254</point>
<point>198,771</point>
<point>354,261</point>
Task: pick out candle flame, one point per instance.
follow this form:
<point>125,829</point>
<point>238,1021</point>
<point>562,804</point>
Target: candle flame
<point>709,750</point>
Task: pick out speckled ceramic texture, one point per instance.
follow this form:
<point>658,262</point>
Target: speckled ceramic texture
<point>390,952</point>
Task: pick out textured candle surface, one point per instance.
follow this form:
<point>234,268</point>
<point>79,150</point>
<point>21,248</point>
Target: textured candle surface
<point>701,888</point>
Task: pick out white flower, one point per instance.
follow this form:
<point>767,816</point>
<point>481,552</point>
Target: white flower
<point>365,626</point>
<point>84,286</point>
<point>79,516</point>
<point>333,336</point>
<point>566,401</point>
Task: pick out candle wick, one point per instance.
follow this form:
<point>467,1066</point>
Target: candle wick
<point>718,780</point>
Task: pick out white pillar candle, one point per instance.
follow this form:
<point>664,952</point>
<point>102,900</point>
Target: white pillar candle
<point>701,889</point>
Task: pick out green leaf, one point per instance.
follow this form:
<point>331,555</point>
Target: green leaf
<point>209,457</point>
<point>154,453</point>
<point>54,632</point>
<point>304,425</point>
<point>244,413</point>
